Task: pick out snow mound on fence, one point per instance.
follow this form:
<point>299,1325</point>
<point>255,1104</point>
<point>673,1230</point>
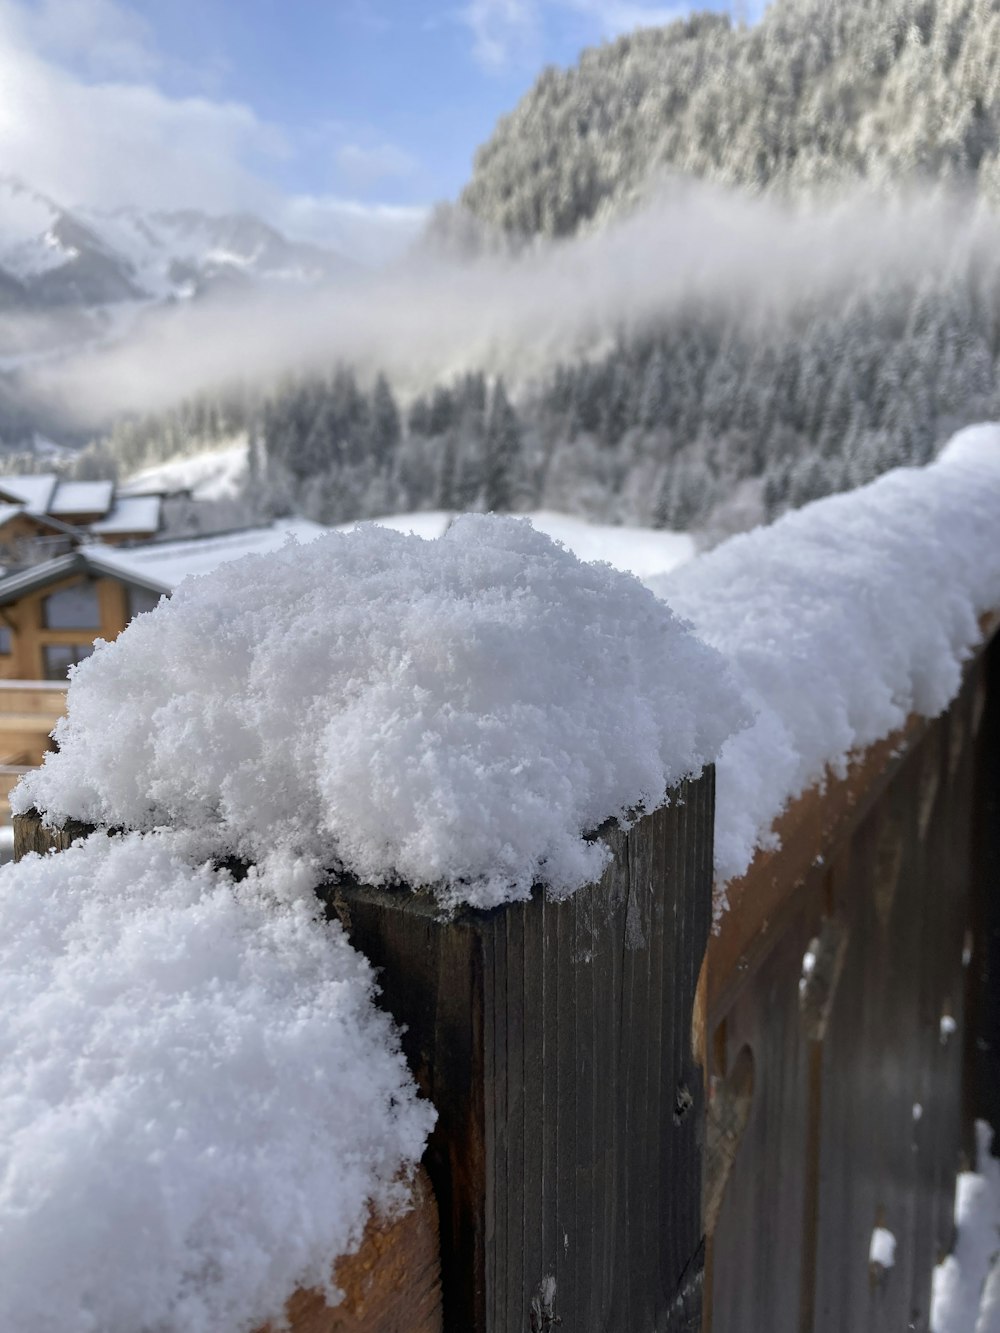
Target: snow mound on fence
<point>198,1097</point>
<point>457,713</point>
<point>840,620</point>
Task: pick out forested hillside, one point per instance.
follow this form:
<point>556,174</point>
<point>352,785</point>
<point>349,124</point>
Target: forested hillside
<point>753,381</point>
<point>820,93</point>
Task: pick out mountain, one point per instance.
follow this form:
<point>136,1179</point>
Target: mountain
<point>54,258</point>
<point>818,94</point>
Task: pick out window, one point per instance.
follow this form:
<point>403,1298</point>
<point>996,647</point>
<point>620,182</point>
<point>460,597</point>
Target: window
<point>72,608</point>
<point>6,641</point>
<point>141,599</point>
<point>57,658</point>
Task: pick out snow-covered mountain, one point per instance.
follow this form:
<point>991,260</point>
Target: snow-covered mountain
<point>53,257</point>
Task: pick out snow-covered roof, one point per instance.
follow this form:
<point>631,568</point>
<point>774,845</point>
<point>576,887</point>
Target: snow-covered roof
<point>133,513</point>
<point>34,492</point>
<point>158,566</point>
<point>82,497</point>
<point>86,560</point>
<point>168,563</point>
<point>9,511</point>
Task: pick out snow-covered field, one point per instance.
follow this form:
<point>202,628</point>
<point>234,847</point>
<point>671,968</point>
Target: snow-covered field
<point>639,551</point>
<point>212,474</point>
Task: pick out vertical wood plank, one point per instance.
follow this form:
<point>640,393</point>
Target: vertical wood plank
<point>554,1039</point>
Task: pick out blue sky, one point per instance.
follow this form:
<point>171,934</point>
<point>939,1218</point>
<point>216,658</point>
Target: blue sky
<point>358,113</point>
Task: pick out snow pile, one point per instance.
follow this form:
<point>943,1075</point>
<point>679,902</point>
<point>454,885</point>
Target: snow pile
<point>967,1284</point>
<point>457,713</point>
<point>839,621</point>
<point>198,1097</point>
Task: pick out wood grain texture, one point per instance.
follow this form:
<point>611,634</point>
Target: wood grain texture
<point>856,1116</point>
<point>391,1285</point>
<point>31,835</point>
<point>982,1089</point>
<point>555,1042</point>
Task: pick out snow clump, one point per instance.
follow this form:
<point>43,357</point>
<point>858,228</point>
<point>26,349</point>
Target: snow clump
<point>457,713</point>
<point>839,621</point>
<point>199,1100</point>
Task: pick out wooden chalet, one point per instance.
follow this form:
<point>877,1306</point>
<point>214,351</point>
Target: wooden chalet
<point>50,615</point>
<point>43,514</point>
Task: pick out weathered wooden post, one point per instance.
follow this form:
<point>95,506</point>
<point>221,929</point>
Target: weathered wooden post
<point>555,1041</point>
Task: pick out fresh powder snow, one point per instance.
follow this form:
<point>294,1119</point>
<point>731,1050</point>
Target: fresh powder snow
<point>967,1283</point>
<point>458,713</point>
<point>199,1100</point>
<point>839,621</point>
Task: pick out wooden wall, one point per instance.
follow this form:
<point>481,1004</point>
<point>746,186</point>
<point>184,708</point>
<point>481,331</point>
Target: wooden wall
<point>835,1092</point>
<point>29,635</point>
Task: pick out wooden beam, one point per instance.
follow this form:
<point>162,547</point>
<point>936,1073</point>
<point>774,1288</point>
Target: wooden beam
<point>555,1042</point>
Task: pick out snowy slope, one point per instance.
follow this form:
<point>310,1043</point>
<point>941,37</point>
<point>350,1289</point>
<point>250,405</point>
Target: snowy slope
<point>215,474</point>
<point>640,551</point>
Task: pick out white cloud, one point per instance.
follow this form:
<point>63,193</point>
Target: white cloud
<point>82,120</point>
<point>369,233</point>
<point>500,28</point>
<point>620,16</point>
<point>363,165</point>
<point>98,36</point>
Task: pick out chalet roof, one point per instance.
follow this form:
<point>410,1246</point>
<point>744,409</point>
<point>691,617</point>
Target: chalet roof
<point>167,563</point>
<point>7,512</point>
<point>130,513</point>
<point>157,566</point>
<point>33,492</point>
<point>86,560</point>
<point>82,497</point>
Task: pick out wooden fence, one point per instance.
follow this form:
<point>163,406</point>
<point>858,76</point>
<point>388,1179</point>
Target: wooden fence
<point>637,1131</point>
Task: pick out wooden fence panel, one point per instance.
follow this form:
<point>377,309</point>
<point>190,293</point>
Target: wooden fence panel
<point>982,1050</point>
<point>756,1250</point>
<point>555,1042</point>
<point>862,1110</point>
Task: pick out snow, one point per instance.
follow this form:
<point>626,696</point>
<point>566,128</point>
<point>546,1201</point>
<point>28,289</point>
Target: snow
<point>457,713</point>
<point>34,492</point>
<point>882,1250</point>
<point>839,621</point>
<point>198,1096</point>
<point>967,1284</point>
<point>168,563</point>
<point>213,474</point>
<point>639,551</point>
<point>133,513</point>
<point>82,497</point>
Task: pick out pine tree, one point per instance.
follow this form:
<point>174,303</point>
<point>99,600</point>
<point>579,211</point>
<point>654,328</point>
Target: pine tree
<point>503,444</point>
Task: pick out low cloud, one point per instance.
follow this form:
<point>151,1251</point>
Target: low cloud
<point>431,317</point>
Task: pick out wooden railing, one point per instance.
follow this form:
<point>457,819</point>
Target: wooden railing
<point>637,1131</point>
